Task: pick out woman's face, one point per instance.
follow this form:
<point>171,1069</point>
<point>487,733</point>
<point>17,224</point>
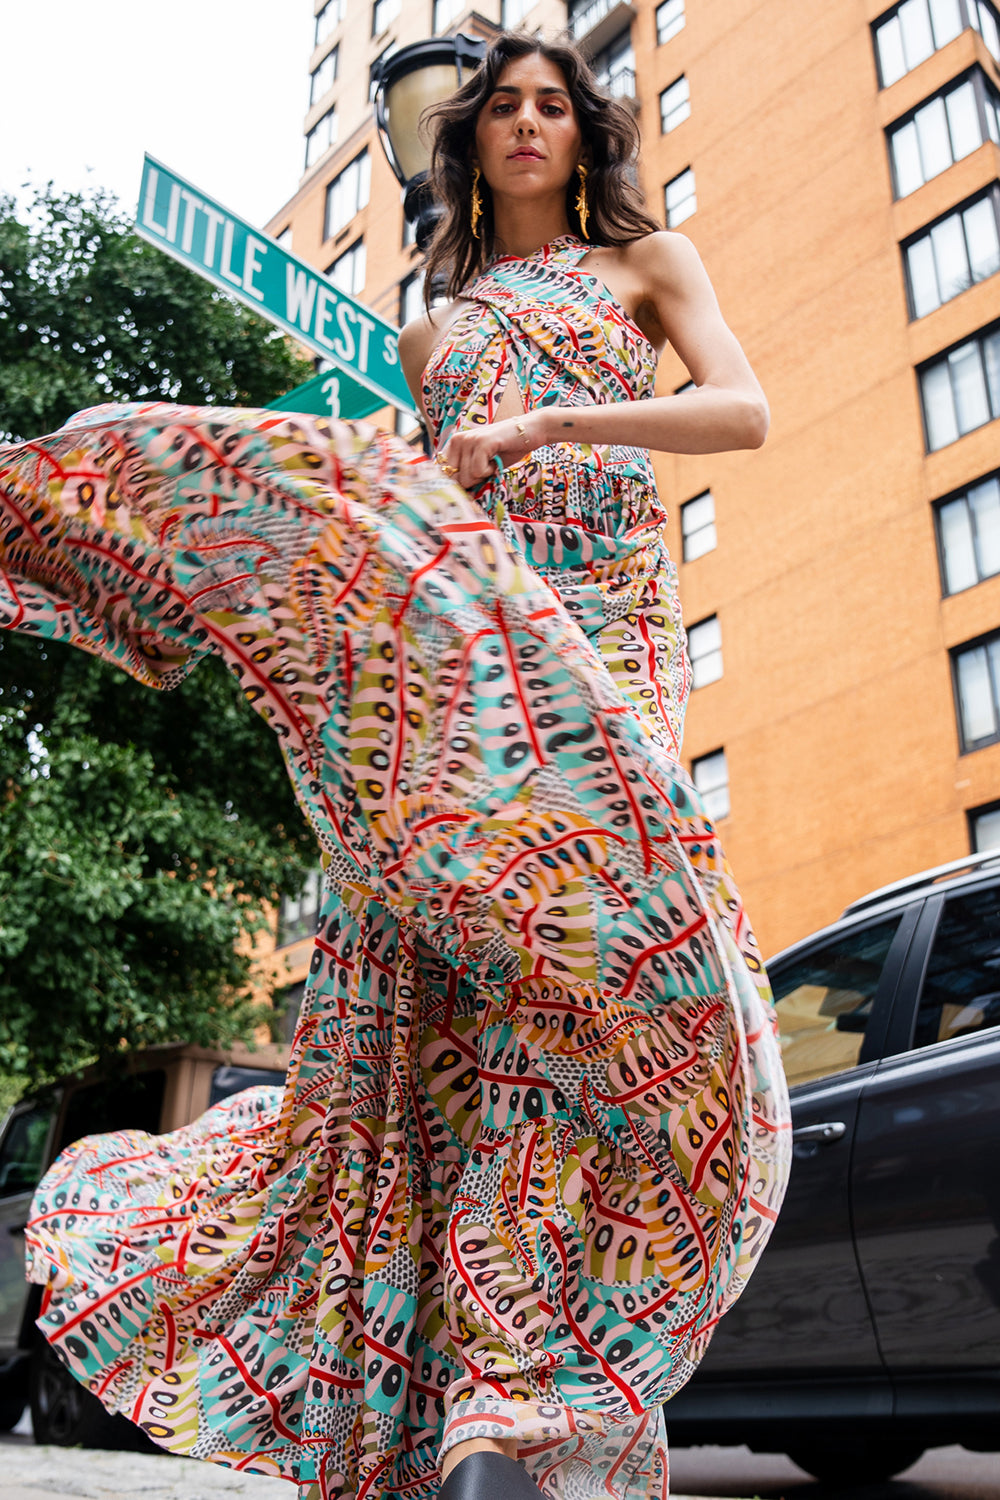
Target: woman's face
<point>528,141</point>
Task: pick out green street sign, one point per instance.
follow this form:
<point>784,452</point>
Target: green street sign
<point>191,227</point>
<point>331,394</point>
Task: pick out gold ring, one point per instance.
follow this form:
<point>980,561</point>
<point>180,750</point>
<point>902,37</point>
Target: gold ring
<point>447,468</point>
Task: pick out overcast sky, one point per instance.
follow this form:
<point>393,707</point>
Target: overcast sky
<point>216,89</point>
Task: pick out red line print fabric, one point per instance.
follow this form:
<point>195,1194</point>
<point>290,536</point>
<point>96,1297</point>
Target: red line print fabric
<point>535,1132</point>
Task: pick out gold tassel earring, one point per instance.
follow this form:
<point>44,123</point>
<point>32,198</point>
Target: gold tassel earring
<point>477,204</point>
<point>581,201</point>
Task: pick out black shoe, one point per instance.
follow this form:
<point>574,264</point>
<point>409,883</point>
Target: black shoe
<point>489,1476</point>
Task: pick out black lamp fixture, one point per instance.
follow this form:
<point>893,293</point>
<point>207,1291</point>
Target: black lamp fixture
<point>406,83</point>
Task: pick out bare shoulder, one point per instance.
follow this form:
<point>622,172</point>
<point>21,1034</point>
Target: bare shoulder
<point>664,261</point>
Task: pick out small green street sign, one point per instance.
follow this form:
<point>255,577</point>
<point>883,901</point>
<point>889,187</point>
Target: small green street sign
<point>191,227</point>
<point>331,394</point>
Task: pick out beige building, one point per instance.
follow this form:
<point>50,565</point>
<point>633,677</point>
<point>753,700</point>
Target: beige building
<point>838,168</point>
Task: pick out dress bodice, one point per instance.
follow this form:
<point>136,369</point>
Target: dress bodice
<point>552,327</point>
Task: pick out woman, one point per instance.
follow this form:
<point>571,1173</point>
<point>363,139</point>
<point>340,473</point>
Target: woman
<point>534,1130</point>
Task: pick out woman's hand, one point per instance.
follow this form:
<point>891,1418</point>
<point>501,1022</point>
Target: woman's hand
<point>467,456</point>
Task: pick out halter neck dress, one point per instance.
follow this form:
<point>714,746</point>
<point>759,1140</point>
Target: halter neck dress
<point>535,1132</point>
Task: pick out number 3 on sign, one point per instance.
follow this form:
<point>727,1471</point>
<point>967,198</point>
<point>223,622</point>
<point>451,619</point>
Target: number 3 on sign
<point>331,390</point>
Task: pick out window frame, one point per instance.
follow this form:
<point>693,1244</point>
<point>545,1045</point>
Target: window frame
<point>324,117</point>
<point>457,7</point>
<point>381,30</point>
<point>981,87</point>
<point>331,233</point>
<point>339,6</point>
<point>937,507</point>
<point>669,129</point>
<point>703,792</point>
<point>964,648</point>
<point>978,337</point>
<point>690,630</point>
<point>967,24</point>
<point>351,249</point>
<point>991,194</point>
<point>972,814</point>
<point>674,223</point>
<point>661,41</point>
<point>702,495</point>
<point>334,54</point>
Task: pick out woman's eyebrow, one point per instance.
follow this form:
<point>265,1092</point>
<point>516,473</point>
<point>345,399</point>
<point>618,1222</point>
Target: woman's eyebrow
<point>510,88</point>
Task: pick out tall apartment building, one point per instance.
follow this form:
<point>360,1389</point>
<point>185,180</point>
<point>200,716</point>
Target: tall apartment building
<point>838,168</point>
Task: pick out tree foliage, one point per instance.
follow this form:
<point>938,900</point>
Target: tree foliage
<point>143,835</point>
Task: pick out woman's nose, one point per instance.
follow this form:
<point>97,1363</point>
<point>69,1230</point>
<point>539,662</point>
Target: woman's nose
<point>526,124</point>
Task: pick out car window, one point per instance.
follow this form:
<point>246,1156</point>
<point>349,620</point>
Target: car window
<point>230,1080</point>
<point>824,1000</point>
<point>961,991</point>
<point>133,1101</point>
<point>22,1157</point>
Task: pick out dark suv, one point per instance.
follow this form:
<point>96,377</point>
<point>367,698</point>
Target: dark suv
<point>871,1328</point>
<point>160,1089</point>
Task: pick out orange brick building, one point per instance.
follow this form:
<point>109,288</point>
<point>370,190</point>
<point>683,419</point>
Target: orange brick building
<point>838,168</point>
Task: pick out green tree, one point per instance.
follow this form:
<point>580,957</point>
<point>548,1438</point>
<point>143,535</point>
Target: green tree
<point>142,835</point>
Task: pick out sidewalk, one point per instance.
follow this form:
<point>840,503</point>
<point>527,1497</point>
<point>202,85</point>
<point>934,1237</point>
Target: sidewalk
<point>30,1473</point>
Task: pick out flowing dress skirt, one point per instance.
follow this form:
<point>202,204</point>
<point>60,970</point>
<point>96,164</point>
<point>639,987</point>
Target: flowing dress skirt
<point>535,1131</point>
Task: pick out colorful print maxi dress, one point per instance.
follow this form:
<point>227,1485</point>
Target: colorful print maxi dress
<point>535,1132</point>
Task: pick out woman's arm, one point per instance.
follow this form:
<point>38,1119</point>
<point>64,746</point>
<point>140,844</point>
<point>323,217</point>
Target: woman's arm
<point>726,410</point>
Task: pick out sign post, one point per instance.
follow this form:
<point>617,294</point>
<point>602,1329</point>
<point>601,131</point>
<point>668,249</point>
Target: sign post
<point>213,243</point>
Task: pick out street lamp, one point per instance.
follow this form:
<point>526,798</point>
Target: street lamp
<point>406,83</point>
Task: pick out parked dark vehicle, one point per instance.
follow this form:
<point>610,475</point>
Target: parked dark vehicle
<point>871,1328</point>
<point>162,1089</point>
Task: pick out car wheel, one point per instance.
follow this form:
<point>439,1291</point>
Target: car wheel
<point>11,1411</point>
<point>864,1460</point>
<point>64,1413</point>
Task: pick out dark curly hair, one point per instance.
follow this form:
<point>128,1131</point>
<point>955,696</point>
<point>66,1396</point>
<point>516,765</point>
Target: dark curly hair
<point>617,214</point>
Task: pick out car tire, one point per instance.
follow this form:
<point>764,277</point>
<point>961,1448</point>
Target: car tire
<point>864,1460</point>
<point>65,1414</point>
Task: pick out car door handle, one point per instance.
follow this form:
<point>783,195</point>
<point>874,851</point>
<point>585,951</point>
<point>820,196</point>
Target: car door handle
<point>824,1135</point>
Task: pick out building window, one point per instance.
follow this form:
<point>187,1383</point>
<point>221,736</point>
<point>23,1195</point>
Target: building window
<point>409,232</point>
<point>944,130</point>
<point>710,774</point>
<point>698,526</point>
<point>911,32</point>
<point>954,254</point>
<point>284,239</point>
<point>383,13</point>
<point>347,193</point>
<point>411,297</point>
<point>446,11</point>
<point>328,19</point>
<point>348,271</point>
<point>682,390</point>
<point>961,391</point>
<point>680,199</point>
<point>299,915</point>
<point>705,651</point>
<point>513,12</point>
<point>968,529</point>
<point>321,138</point>
<point>614,67</point>
<point>977,692</point>
<point>984,827</point>
<point>322,79</point>
<point>406,425</point>
<point>984,18</point>
<point>675,105</point>
<point>669,19</point>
